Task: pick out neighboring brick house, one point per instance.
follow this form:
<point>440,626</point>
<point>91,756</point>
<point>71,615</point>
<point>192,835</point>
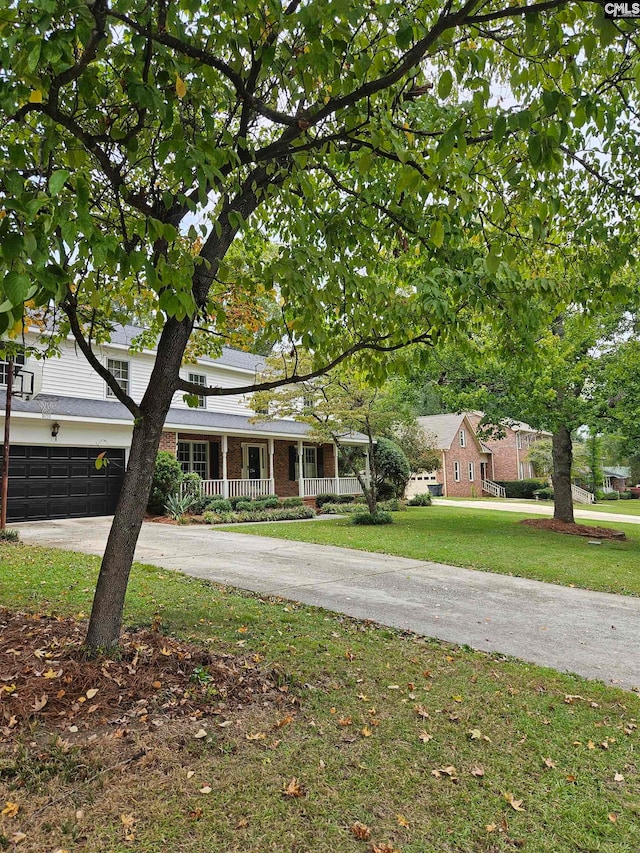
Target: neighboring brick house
<point>64,415</point>
<point>510,453</point>
<point>615,478</point>
<point>467,462</point>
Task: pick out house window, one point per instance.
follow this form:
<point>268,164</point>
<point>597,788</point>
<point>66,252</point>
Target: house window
<point>521,471</point>
<point>120,372</point>
<point>463,438</point>
<point>519,441</point>
<point>309,463</point>
<point>18,362</point>
<point>193,456</point>
<point>199,379</point>
<point>472,473</point>
<point>456,471</point>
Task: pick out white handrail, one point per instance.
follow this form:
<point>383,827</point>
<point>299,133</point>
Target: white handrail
<point>494,489</point>
<point>582,496</point>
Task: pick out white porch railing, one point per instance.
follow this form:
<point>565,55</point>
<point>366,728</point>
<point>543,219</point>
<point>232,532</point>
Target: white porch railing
<point>250,488</point>
<point>582,496</point>
<point>313,486</point>
<point>494,489</point>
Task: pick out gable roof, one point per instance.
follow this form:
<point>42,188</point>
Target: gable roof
<point>621,471</point>
<point>124,335</point>
<point>445,428</point>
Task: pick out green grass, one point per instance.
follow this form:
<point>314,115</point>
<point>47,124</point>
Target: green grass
<point>483,714</point>
<point>631,507</point>
<point>481,539</point>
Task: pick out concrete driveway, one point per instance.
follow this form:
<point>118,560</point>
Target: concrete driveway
<point>590,633</point>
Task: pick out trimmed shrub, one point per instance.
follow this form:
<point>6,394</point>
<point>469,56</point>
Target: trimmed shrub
<point>246,506</point>
<point>289,502</point>
<point>392,467</point>
<point>392,505</point>
<point>545,494</point>
<point>217,504</point>
<point>379,517</point>
<point>339,509</point>
<point>607,496</point>
<point>522,489</point>
<point>326,498</point>
<point>420,500</point>
<point>269,503</point>
<point>625,496</point>
<point>167,477</point>
<point>9,535</point>
<point>294,513</point>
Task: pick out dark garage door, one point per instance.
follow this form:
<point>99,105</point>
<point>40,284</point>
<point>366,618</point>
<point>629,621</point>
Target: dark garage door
<point>62,482</point>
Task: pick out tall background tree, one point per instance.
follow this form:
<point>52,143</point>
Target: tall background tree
<point>142,138</point>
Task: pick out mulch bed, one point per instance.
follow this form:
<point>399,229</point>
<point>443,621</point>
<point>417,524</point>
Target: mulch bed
<point>46,678</point>
<point>573,529</point>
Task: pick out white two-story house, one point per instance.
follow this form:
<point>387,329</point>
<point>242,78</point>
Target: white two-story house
<point>63,416</point>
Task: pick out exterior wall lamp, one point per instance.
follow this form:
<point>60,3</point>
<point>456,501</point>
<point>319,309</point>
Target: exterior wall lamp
<point>55,429</point>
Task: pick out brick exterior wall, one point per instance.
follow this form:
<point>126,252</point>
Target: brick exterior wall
<point>465,488</point>
<point>169,442</point>
<point>284,487</point>
<point>507,456</point>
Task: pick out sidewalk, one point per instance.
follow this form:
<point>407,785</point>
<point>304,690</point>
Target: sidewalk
<point>594,634</point>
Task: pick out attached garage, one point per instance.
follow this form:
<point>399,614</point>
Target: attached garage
<point>62,482</point>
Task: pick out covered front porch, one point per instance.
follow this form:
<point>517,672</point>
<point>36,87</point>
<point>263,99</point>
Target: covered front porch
<point>251,467</point>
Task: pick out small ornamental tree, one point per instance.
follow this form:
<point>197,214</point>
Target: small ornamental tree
<point>141,139</point>
<point>392,467</point>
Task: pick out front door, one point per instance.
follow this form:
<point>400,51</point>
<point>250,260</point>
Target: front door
<point>254,468</point>
<point>483,470</point>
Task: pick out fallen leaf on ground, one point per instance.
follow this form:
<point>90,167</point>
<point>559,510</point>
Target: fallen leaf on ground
<point>360,831</point>
<point>449,771</point>
<point>256,736</point>
<point>516,805</point>
<point>618,777</point>
<point>477,771</point>
<point>613,817</point>
<point>402,821</point>
<point>200,733</point>
<point>206,789</point>
<point>425,737</point>
<point>384,848</point>
<point>294,788</point>
<point>17,837</point>
<point>91,692</point>
<point>549,763</point>
<point>10,809</point>
<point>366,732</point>
<point>491,827</point>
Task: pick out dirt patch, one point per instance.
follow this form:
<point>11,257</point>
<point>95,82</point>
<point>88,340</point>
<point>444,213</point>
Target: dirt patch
<point>573,529</point>
<point>46,678</point>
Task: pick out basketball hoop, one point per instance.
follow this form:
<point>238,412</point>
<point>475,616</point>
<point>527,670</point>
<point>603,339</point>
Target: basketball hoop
<point>46,407</point>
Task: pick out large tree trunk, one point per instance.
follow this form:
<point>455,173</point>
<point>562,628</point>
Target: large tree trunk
<point>562,450</point>
<point>108,602</point>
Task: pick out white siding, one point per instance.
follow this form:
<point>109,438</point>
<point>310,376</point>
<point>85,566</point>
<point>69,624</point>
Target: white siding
<point>70,375</point>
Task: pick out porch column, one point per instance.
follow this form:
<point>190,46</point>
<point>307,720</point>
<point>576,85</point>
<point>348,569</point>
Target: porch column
<point>335,467</point>
<point>300,470</point>
<point>225,481</point>
<point>272,470</point>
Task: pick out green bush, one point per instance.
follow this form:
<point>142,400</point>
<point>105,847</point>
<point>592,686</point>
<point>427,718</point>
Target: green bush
<point>392,505</point>
<point>269,503</point>
<point>289,502</point>
<point>545,494</point>
<point>625,496</point>
<point>167,477</point>
<point>522,489</point>
<point>192,485</point>
<point>294,513</point>
<point>339,509</point>
<point>246,506</point>
<point>217,504</point>
<point>9,535</point>
<point>420,500</point>
<point>607,496</point>
<point>326,498</point>
<point>392,467</point>
<point>379,517</point>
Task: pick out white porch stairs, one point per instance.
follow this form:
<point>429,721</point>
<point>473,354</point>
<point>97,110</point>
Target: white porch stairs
<point>493,489</point>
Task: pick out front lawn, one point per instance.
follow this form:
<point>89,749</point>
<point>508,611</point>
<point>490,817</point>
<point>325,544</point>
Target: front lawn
<point>406,743</point>
<point>481,539</point>
<point>631,507</point>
